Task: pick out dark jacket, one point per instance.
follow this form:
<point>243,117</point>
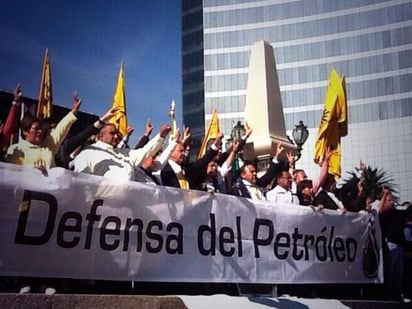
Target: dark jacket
<point>322,198</point>
<point>62,157</point>
<point>239,189</point>
<point>143,140</point>
<point>392,224</point>
<point>195,172</point>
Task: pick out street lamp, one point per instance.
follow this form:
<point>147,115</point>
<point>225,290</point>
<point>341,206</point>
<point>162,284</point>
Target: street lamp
<point>238,130</point>
<point>300,134</point>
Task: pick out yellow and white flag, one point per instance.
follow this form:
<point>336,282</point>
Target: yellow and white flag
<point>45,100</point>
<point>119,119</point>
<point>333,124</point>
<point>211,132</point>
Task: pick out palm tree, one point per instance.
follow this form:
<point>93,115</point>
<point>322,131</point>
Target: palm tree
<point>373,180</point>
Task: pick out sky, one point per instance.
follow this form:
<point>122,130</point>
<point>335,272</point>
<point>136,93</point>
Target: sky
<point>87,41</point>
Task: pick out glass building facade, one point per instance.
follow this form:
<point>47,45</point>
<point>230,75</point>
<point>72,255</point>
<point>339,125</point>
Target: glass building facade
<point>368,41</point>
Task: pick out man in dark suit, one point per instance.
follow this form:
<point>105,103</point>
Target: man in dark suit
<point>345,197</point>
<point>245,185</point>
<point>179,172</point>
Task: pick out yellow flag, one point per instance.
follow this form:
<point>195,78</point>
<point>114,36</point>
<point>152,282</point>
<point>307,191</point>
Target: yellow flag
<point>173,123</point>
<point>211,132</point>
<point>333,124</point>
<point>119,119</point>
<point>44,105</point>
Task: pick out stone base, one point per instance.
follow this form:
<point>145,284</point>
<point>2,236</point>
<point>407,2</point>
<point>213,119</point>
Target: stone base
<point>60,301</point>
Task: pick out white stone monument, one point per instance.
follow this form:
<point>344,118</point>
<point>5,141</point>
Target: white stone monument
<point>263,108</point>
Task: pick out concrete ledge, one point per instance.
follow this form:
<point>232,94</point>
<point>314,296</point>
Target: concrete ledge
<point>60,301</point>
<point>375,304</point>
<point>88,301</point>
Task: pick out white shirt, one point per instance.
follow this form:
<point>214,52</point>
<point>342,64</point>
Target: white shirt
<point>101,159</point>
<point>254,191</point>
<point>281,195</point>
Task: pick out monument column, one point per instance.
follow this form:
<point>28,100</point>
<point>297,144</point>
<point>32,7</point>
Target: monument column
<point>263,108</point>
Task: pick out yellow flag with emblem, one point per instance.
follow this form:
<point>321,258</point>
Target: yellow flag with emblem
<point>211,132</point>
<point>333,124</point>
<point>119,119</point>
<point>45,100</point>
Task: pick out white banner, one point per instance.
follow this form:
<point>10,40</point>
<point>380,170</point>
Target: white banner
<point>88,227</point>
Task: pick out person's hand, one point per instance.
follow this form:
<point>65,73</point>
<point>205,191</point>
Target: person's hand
<point>328,153</point>
<point>317,208</point>
<point>362,166</point>
<point>164,130</point>
<point>176,135</point>
<point>109,114</point>
<point>368,203</point>
<point>248,130</point>
<point>385,191</point>
<point>235,145</point>
<point>186,135</point>
<point>279,149</point>
<point>359,185</point>
<point>76,102</point>
<point>129,130</point>
<point>343,211</point>
<point>148,128</point>
<point>218,140</point>
<point>291,158</point>
<point>41,166</point>
<point>18,94</point>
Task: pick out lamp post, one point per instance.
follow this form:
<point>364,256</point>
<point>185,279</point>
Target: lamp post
<point>238,131</point>
<point>300,134</point>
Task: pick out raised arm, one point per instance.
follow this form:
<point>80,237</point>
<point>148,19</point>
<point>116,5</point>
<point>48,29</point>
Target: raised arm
<point>146,135</point>
<point>274,168</point>
<point>227,165</point>
<point>125,140</point>
<point>64,125</point>
<point>151,148</point>
<point>161,160</point>
<point>76,140</point>
<point>382,206</point>
<point>320,180</point>
<point>11,118</point>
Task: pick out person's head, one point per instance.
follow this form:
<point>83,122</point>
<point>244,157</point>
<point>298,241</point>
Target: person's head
<point>284,180</point>
<point>148,162</point>
<point>248,172</point>
<point>178,153</point>
<point>330,183</point>
<point>48,125</point>
<point>117,138</point>
<point>389,201</point>
<point>108,134</point>
<point>299,175</point>
<point>211,169</point>
<point>305,188</point>
<point>31,129</point>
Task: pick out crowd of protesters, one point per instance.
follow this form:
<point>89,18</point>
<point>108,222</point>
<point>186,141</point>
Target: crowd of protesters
<point>100,149</point>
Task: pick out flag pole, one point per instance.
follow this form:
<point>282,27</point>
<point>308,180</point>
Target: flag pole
<point>45,98</point>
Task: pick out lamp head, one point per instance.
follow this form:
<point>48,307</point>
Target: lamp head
<point>300,134</point>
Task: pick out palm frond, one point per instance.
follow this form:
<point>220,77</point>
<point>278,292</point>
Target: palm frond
<point>373,181</point>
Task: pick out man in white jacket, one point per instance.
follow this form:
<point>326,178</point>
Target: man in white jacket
<point>282,193</point>
<point>104,159</point>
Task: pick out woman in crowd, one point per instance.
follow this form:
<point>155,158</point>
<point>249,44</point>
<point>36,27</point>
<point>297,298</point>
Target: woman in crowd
<point>37,149</point>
